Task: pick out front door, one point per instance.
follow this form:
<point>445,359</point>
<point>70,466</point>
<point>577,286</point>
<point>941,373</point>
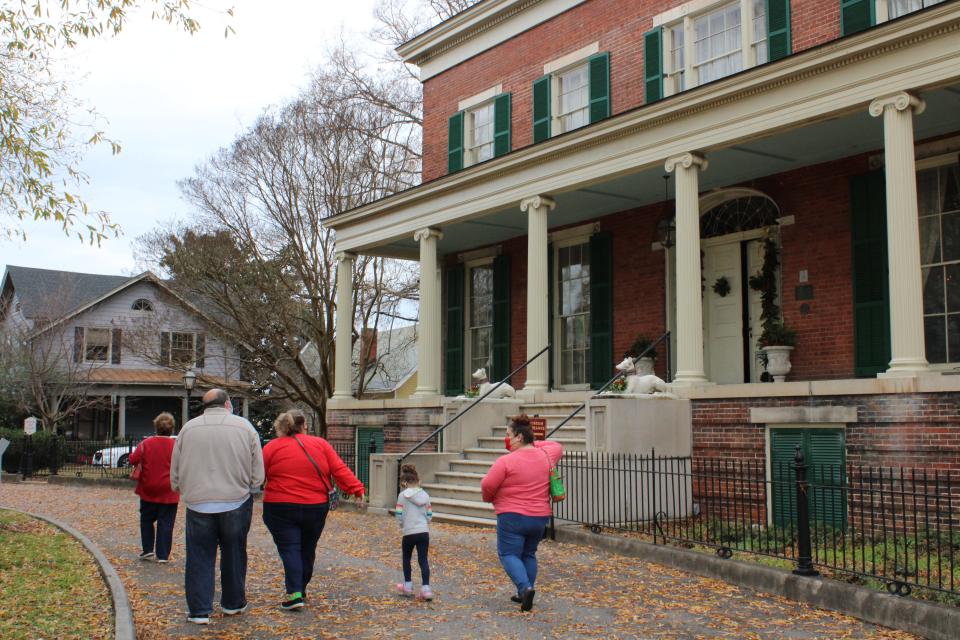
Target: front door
<point>573,315</point>
<point>731,309</point>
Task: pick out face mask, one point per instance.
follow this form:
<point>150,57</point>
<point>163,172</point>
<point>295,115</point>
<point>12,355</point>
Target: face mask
<point>506,442</point>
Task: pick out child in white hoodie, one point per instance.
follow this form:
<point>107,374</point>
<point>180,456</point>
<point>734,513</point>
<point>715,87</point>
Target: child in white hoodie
<point>414,515</point>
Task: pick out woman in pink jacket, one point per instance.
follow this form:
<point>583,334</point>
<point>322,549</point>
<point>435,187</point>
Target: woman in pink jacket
<point>518,485</point>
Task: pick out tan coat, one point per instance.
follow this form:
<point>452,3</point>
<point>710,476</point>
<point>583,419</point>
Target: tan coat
<point>217,458</point>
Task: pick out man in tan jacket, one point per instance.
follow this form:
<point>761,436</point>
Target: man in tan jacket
<point>216,467</point>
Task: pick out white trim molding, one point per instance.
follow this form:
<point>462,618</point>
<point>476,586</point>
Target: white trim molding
<point>580,55</point>
<point>480,98</point>
<point>803,415</point>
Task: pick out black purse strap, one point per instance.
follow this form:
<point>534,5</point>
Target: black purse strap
<point>314,463</point>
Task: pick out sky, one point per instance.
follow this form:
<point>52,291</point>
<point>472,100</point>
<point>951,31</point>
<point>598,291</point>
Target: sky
<point>171,100</point>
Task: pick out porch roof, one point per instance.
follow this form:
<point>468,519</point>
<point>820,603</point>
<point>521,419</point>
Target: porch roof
<point>763,121</point>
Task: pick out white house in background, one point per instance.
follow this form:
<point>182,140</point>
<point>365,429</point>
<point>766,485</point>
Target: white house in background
<point>131,337</point>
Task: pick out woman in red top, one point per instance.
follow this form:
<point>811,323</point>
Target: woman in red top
<point>295,500</point>
<point>158,502</point>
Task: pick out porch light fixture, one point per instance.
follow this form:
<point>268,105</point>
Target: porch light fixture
<point>667,225</point>
<point>189,379</point>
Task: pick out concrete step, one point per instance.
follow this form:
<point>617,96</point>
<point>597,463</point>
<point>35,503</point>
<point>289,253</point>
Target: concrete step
<point>556,408</point>
<point>568,430</point>
<point>569,444</point>
<point>471,466</point>
<point>462,478</point>
<point>470,508</point>
<point>453,491</point>
<point>453,518</point>
<point>484,453</point>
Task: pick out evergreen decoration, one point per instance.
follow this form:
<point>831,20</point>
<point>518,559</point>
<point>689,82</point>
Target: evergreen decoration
<point>722,287</point>
<point>775,331</point>
<point>639,346</point>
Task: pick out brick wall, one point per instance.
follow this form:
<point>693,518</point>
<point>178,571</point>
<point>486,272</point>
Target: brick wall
<point>402,428</point>
<point>618,26</point>
<point>911,430</point>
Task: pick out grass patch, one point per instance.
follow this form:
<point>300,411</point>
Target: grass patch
<point>50,586</point>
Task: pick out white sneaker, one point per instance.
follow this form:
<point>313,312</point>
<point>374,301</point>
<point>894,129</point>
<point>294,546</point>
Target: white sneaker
<point>234,612</point>
<point>199,619</point>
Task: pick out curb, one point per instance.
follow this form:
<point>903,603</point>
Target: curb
<point>109,483</point>
<point>123,628</point>
<point>929,620</point>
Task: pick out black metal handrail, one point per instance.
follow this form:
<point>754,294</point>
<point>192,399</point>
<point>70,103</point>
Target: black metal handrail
<point>472,405</point>
<point>665,336</point>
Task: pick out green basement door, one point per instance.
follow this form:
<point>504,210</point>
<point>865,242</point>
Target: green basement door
<point>368,440</point>
<point>823,450</point>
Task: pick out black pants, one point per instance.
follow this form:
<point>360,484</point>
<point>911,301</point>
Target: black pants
<point>296,529</point>
<point>164,516</point>
<point>422,543</point>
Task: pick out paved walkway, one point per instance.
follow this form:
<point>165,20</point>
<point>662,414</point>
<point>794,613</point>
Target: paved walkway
<point>582,593</point>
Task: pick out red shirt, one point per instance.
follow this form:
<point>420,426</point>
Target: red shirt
<point>291,477</point>
<point>153,455</point>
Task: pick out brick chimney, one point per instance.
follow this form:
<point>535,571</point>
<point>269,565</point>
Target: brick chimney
<point>369,340</point>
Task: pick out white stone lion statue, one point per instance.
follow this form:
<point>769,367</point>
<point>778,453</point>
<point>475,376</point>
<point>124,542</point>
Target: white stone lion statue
<point>480,379</point>
<point>641,385</point>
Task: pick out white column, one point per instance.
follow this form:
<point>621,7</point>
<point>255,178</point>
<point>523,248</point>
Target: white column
<point>245,411</point>
<point>907,343</point>
<point>343,347</point>
<point>184,410</point>
<point>689,303</point>
<point>122,416</point>
<point>428,336</point>
<point>538,281</point>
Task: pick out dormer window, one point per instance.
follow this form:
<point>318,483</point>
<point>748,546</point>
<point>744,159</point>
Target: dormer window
<point>142,304</point>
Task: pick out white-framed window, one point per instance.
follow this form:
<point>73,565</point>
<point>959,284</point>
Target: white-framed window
<point>572,260</point>
<point>478,130</point>
<point>573,98</point>
<point>712,41</point>
<point>183,348</point>
<point>479,325</point>
<point>96,345</point>
<point>938,195</point>
<point>142,304</point>
<point>890,9</point>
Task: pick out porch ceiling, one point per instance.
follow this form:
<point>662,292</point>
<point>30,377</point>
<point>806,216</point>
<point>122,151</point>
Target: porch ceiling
<point>813,143</point>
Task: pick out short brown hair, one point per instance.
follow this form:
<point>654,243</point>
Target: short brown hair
<point>409,475</point>
<point>164,424</point>
<point>290,423</point>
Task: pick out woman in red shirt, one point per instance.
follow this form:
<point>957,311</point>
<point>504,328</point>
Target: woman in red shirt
<point>158,502</point>
<point>295,499</point>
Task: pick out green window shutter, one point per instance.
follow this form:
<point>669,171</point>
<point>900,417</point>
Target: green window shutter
<point>501,124</point>
<point>783,444</point>
<point>826,471</point>
<point>541,109</point>
<point>599,86</point>
<point>453,357</point>
<point>856,15</point>
<point>551,303</point>
<point>116,347</point>
<point>501,318</point>
<point>653,65</point>
<point>78,335</point>
<point>165,348</point>
<point>601,309</point>
<point>455,143</point>
<point>778,29</point>
<point>201,350</point>
<point>871,303</point>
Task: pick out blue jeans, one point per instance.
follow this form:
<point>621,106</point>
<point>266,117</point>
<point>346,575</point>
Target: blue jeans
<point>205,533</point>
<point>517,539</point>
<point>164,515</point>
<point>296,529</point>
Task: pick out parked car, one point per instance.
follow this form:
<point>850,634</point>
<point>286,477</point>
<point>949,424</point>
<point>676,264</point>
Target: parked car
<point>118,456</point>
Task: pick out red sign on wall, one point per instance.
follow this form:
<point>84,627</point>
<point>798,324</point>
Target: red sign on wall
<point>539,426</point>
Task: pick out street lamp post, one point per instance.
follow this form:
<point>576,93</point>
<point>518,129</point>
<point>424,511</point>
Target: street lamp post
<point>189,379</point>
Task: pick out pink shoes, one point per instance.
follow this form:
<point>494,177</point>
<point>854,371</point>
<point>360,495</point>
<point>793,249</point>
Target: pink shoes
<point>405,590</point>
<point>425,593</point>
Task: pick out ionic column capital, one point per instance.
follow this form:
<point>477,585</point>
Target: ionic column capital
<point>537,202</point>
<point>422,234</point>
<point>345,255</point>
<point>901,101</point>
<point>686,160</point>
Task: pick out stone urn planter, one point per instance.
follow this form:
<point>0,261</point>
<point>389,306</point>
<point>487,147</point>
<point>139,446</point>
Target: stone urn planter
<point>778,362</point>
<point>645,366</point>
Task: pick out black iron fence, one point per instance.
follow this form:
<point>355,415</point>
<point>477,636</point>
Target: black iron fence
<point>51,455</point>
<point>898,527</point>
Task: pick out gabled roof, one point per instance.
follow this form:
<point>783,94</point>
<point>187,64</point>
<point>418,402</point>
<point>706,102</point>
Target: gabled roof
<point>36,288</point>
<point>396,359</point>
